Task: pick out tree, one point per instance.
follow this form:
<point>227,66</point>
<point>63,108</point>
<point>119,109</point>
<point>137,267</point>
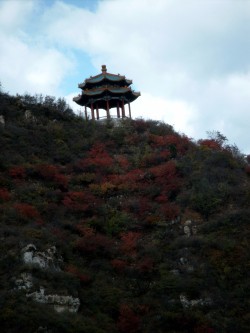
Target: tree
<point>128,321</point>
<point>26,210</point>
<point>4,195</point>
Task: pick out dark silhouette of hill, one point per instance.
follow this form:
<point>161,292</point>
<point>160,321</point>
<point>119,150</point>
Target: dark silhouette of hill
<point>119,226</point>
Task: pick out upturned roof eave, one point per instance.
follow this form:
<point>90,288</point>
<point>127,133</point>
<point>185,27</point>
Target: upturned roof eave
<point>104,76</point>
<point>76,98</point>
<point>112,90</point>
<point>84,98</point>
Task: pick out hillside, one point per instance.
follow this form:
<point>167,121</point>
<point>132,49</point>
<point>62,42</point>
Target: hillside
<point>119,227</point>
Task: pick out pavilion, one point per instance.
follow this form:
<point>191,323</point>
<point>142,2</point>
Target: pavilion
<point>106,91</point>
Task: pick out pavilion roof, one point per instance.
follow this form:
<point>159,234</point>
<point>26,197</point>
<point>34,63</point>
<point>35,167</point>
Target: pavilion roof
<point>105,91</point>
<point>109,92</point>
<point>105,77</point>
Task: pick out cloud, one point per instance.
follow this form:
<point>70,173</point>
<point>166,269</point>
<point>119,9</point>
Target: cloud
<point>13,14</point>
<point>28,65</point>
<point>226,102</point>
<point>177,113</point>
<point>189,58</point>
<point>201,38</point>
<point>33,70</point>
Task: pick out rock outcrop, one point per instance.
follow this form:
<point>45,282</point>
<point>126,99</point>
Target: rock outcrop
<point>59,303</point>
<point>2,120</point>
<point>24,282</point>
<point>194,302</point>
<point>43,329</point>
<point>45,260</point>
<point>29,116</point>
<point>189,228</point>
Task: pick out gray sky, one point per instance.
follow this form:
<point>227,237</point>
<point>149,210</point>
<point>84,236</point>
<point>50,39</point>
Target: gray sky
<point>189,58</point>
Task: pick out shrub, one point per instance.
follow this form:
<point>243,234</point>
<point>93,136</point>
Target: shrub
<point>128,321</point>
<point>129,241</point>
<point>119,264</point>
<point>4,195</point>
<point>94,244</point>
<point>170,211</point>
<point>47,172</point>
<point>17,172</point>
<point>78,201</point>
<point>84,278</point>
<point>27,211</point>
<point>247,169</point>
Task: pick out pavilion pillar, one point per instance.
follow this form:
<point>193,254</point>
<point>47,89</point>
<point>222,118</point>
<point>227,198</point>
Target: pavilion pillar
<point>85,111</point>
<point>97,111</point>
<point>129,110</point>
<point>118,110</point>
<point>108,114</point>
<point>92,112</point>
<point>123,109</point>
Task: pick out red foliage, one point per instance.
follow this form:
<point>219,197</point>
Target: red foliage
<point>123,162</point>
<point>166,176</point>
<point>52,173</point>
<point>40,222</point>
<point>59,233</point>
<point>162,199</point>
<point>84,278</point>
<point>119,264</point>
<point>4,194</point>
<point>85,230</point>
<point>128,321</point>
<point>203,329</point>
<point>247,169</point>
<point>165,154</point>
<point>91,243</point>
<point>129,241</point>
<point>98,157</point>
<point>140,125</point>
<point>61,180</point>
<point>181,143</point>
<point>47,171</point>
<point>78,201</point>
<point>143,309</point>
<point>144,206</point>
<point>166,170</point>
<point>157,140</point>
<point>248,159</point>
<point>145,265</point>
<point>76,272</point>
<point>26,210</point>
<point>17,172</point>
<point>134,175</point>
<point>210,143</point>
<point>133,139</point>
<point>156,158</point>
<point>129,180</point>
<point>170,211</point>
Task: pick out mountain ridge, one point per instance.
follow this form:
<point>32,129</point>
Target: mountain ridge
<point>128,227</point>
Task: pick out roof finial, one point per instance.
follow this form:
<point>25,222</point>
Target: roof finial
<point>104,69</point>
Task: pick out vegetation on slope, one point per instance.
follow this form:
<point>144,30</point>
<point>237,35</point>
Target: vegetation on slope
<point>153,227</point>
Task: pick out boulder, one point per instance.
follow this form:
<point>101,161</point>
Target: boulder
<point>190,228</point>
<point>45,260</point>
<point>29,116</point>
<point>194,302</point>
<point>2,120</point>
<point>60,303</point>
<point>24,282</point>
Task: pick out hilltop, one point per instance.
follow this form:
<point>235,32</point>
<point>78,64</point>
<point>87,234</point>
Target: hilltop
<point>119,227</point>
